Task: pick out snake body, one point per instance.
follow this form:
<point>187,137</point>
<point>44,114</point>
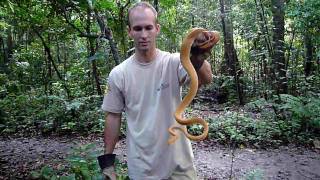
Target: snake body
<point>193,88</point>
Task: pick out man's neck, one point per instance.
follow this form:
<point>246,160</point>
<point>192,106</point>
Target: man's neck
<point>146,56</point>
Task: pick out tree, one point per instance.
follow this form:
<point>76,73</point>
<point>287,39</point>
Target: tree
<point>278,59</point>
<point>230,54</point>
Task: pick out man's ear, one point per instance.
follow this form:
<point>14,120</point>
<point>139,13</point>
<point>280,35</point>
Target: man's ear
<point>158,29</point>
<point>129,31</point>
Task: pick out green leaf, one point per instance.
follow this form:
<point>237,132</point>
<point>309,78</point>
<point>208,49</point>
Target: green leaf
<point>47,172</point>
<point>35,175</point>
<point>11,6</point>
<point>106,4</point>
<point>96,56</point>
<point>70,177</point>
<point>74,105</point>
<point>85,173</point>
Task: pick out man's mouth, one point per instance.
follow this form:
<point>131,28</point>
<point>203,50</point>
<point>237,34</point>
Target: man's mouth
<point>144,43</point>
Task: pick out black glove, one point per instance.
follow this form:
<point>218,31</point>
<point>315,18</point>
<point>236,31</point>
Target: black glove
<point>106,163</point>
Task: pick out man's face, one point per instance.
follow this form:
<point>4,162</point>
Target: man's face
<point>143,29</point>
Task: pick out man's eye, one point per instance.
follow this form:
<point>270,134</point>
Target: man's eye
<point>137,28</point>
<point>149,28</point>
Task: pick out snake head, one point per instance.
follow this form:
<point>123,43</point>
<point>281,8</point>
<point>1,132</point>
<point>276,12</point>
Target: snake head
<point>205,41</point>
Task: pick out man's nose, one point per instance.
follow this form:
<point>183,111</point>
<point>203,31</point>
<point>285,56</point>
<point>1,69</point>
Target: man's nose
<point>144,33</point>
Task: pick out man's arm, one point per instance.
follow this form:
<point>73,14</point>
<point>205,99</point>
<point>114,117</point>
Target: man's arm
<point>204,74</point>
<point>111,131</point>
<point>111,136</point>
<point>200,52</point>
<point>201,65</point>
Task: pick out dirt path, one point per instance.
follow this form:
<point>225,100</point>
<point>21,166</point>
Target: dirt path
<point>287,162</point>
<point>19,156</point>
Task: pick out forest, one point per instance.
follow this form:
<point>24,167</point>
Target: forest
<point>56,56</point>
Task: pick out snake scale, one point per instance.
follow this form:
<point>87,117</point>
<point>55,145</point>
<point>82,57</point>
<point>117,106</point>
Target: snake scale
<point>193,88</point>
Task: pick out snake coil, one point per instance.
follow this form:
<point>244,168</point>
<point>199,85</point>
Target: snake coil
<point>193,88</point>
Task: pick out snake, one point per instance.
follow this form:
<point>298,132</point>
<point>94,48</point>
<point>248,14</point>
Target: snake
<point>193,88</point>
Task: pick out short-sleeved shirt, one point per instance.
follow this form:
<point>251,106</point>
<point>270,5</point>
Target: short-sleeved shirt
<point>149,94</point>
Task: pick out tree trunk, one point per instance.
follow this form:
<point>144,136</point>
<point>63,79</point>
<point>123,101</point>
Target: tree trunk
<point>49,67</point>
<point>9,45</point>
<point>230,54</point>
<point>65,62</point>
<point>92,52</point>
<point>45,74</point>
<point>123,32</point>
<point>308,59</point>
<point>3,53</point>
<point>278,59</point>
<point>265,39</point>
<point>290,47</point>
<point>263,26</point>
<point>95,71</point>
<point>156,5</point>
<point>123,29</point>
<point>106,32</point>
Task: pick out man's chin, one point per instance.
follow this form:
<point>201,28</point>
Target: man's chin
<point>144,48</point>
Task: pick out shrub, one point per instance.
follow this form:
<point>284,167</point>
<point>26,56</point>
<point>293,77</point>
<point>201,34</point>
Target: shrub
<point>32,114</point>
<point>82,164</point>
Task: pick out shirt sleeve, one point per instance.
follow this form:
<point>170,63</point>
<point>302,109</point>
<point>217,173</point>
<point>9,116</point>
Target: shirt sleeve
<point>113,100</point>
<point>181,72</point>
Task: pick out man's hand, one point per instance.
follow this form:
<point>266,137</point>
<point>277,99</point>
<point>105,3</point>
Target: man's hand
<point>205,41</point>
<point>106,163</point>
<point>109,173</point>
<point>201,47</point>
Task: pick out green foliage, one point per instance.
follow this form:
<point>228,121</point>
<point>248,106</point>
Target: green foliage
<point>222,89</point>
<point>262,123</point>
<point>241,128</point>
<point>297,118</point>
<point>305,86</point>
<point>45,173</point>
<point>301,113</point>
<point>83,162</point>
<point>305,14</point>
<point>104,4</point>
<point>83,165</point>
<point>34,99</point>
<point>50,114</point>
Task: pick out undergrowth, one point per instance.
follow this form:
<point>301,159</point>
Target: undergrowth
<point>281,120</point>
<point>82,164</point>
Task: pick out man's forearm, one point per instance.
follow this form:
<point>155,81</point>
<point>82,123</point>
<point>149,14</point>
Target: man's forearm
<point>111,131</point>
<point>200,52</point>
<point>204,73</point>
<point>202,67</point>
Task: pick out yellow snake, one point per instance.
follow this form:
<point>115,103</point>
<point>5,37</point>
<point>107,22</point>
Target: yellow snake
<point>193,88</point>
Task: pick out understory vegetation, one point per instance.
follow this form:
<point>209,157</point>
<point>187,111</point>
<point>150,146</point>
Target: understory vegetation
<point>55,57</point>
<point>268,121</point>
<point>281,119</point>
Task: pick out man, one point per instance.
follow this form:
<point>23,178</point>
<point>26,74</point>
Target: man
<point>147,87</point>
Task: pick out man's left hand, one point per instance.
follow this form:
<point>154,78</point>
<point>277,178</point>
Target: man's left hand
<point>201,47</point>
<point>205,41</point>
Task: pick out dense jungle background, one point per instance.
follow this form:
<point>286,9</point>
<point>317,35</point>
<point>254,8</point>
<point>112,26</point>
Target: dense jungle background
<point>265,96</point>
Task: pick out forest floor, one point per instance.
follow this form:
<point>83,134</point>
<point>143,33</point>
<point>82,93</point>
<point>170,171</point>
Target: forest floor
<point>20,155</point>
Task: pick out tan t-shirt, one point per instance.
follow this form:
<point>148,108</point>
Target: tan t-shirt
<point>149,94</point>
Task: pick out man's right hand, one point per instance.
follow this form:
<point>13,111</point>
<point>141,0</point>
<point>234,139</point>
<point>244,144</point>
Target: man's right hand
<point>109,173</point>
<point>106,163</point>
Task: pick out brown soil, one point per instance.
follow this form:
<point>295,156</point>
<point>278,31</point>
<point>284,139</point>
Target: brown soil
<point>19,156</point>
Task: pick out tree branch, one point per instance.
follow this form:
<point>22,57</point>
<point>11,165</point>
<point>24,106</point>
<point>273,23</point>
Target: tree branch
<point>47,49</point>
